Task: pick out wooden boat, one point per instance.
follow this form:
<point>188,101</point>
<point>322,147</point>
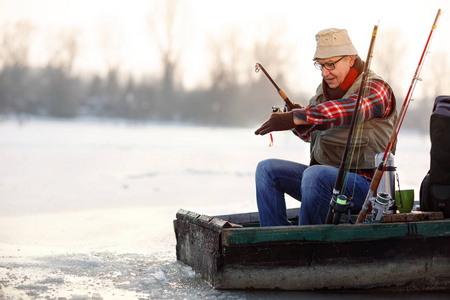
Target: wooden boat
<point>403,252</point>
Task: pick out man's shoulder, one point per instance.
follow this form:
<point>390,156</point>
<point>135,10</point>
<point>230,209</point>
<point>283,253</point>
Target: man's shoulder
<point>319,92</point>
<point>375,76</point>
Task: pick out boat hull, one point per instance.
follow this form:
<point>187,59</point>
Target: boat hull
<point>403,256</point>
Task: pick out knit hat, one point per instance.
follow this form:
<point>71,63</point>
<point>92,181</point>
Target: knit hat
<point>333,42</point>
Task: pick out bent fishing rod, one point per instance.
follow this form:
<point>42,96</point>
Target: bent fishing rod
<point>336,199</point>
<point>380,170</point>
<point>283,95</point>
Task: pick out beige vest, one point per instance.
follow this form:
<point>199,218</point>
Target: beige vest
<point>328,146</point>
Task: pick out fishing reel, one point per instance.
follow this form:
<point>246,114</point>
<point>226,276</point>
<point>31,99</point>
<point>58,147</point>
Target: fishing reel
<point>341,205</point>
<point>381,205</point>
<point>276,109</point>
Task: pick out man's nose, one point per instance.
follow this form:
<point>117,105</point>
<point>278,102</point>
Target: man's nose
<point>325,72</point>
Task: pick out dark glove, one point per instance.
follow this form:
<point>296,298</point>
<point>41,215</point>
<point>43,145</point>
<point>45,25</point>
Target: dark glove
<point>294,106</point>
<point>277,122</point>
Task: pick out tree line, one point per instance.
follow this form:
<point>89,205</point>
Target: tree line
<point>55,90</point>
<point>52,92</point>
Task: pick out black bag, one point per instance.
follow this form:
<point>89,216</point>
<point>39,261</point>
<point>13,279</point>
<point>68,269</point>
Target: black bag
<point>435,188</point>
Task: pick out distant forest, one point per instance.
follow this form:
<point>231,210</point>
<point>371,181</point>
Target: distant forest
<point>55,90</point>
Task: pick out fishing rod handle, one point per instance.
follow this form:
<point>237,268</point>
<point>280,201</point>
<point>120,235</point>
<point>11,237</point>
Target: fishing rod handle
<point>363,213</point>
<point>361,217</point>
<point>376,177</point>
<point>283,94</point>
<point>288,102</point>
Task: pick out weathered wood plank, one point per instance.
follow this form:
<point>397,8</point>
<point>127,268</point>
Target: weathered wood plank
<point>333,233</point>
<point>399,264</point>
<point>205,221</point>
<point>413,216</point>
<point>198,247</point>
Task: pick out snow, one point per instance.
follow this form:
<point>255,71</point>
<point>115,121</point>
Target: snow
<point>86,207</point>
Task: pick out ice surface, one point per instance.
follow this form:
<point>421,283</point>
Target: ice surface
<point>86,207</point>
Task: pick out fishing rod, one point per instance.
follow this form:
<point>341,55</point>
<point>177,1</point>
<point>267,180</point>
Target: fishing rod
<point>380,170</point>
<point>339,203</point>
<point>283,95</point>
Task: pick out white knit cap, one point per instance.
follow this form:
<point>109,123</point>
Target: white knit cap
<point>333,42</point>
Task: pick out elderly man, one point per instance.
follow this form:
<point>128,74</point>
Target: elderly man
<point>324,123</point>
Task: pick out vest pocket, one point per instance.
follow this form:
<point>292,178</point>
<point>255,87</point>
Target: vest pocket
<point>333,147</point>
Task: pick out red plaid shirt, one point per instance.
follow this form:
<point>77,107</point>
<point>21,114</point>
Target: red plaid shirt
<point>339,112</point>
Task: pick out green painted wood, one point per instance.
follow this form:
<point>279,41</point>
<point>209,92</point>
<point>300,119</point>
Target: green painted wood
<point>333,233</point>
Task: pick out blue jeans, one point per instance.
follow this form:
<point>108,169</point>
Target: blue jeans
<point>313,186</point>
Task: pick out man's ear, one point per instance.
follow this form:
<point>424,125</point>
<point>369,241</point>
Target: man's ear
<point>352,60</point>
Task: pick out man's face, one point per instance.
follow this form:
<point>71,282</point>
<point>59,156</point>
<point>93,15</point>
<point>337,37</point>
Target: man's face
<point>335,77</point>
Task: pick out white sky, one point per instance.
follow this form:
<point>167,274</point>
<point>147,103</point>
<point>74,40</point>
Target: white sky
<point>126,26</point>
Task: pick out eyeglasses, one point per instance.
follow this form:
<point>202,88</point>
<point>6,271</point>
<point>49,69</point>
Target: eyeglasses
<point>328,66</point>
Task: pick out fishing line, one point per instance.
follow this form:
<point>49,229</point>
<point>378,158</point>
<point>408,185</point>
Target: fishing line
<point>356,149</point>
<point>381,168</point>
<point>336,194</point>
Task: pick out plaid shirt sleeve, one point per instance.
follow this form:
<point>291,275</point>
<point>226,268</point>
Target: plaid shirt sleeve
<point>332,113</point>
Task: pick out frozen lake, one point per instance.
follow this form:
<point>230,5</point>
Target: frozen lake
<point>86,207</point>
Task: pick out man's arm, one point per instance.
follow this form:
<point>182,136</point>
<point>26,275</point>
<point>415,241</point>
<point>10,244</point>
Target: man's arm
<point>377,104</point>
<point>332,113</point>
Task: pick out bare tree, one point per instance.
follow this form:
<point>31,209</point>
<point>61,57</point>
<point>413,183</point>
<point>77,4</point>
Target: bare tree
<point>15,44</point>
<point>233,61</point>
<point>166,26</point>
<point>389,59</point>
<point>273,52</point>
<point>63,50</point>
<point>59,89</point>
<point>108,98</point>
<point>228,59</point>
<point>235,89</point>
<point>435,82</point>
<point>439,81</point>
<point>110,46</point>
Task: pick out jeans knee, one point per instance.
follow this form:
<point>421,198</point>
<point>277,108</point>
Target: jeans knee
<point>264,167</point>
<point>318,176</point>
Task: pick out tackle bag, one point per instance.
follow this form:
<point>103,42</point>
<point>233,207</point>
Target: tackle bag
<point>435,188</point>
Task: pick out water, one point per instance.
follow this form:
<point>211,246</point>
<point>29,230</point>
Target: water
<point>86,207</point>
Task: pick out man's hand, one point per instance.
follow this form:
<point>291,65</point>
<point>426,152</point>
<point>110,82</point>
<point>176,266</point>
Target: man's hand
<point>294,106</point>
<point>277,122</point>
